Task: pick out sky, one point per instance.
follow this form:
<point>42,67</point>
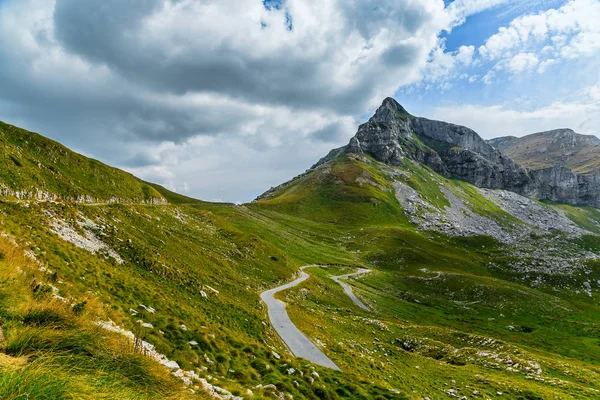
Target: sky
<point>223,99</point>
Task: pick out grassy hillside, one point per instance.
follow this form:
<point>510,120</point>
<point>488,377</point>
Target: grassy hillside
<point>470,313</point>
<point>32,166</point>
<point>347,192</point>
<point>53,350</point>
<point>198,271</point>
<point>467,298</point>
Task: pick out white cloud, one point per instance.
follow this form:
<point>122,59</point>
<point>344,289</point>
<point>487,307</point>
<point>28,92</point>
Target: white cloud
<point>465,54</point>
<point>544,65</point>
<point>583,116</point>
<point>488,78</point>
<point>584,44</point>
<point>135,84</point>
<point>443,66</point>
<point>593,92</point>
<point>522,62</point>
<point>459,10</point>
<point>569,32</point>
<point>219,93</point>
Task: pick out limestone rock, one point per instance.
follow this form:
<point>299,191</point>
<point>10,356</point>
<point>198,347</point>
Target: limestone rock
<point>393,135</point>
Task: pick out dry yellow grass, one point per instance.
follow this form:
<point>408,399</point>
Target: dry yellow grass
<point>9,363</point>
<point>49,351</point>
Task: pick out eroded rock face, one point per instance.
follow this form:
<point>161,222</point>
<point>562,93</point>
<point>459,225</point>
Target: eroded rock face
<point>565,164</point>
<point>451,150</point>
<point>563,185</point>
<point>392,134</point>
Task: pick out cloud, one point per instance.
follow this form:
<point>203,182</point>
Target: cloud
<point>136,84</point>
<point>488,78</point>
<point>444,66</point>
<point>459,10</point>
<point>240,48</point>
<point>522,62</point>
<point>334,132</point>
<point>567,33</point>
<point>215,93</point>
<point>593,92</point>
<point>582,115</point>
<point>464,54</point>
<point>544,65</point>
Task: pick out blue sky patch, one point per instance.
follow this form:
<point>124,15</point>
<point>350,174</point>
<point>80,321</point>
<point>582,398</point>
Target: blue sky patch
<point>273,4</point>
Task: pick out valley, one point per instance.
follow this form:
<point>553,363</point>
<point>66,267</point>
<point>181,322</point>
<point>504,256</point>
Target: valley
<point>471,291</point>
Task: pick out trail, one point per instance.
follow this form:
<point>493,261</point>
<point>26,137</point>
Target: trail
<point>297,342</point>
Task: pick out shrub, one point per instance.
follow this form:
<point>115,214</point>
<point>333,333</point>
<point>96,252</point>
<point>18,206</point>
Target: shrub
<point>15,161</point>
<point>79,308</point>
<point>45,317</point>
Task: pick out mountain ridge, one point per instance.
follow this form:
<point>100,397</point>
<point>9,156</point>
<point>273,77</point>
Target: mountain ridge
<point>556,147</point>
<point>34,167</point>
<point>392,134</point>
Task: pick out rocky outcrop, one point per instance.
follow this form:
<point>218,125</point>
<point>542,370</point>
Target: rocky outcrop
<point>565,140</point>
<point>564,164</point>
<point>563,185</point>
<point>392,135</point>
<point>39,195</point>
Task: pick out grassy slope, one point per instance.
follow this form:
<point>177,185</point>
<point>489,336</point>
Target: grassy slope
<point>344,193</point>
<point>404,341</point>
<point>31,162</point>
<point>346,215</point>
<point>49,351</point>
<point>172,254</point>
<point>458,295</point>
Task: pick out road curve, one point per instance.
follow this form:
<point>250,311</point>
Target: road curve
<point>348,289</point>
<point>298,343</point>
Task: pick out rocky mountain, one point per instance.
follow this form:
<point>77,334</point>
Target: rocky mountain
<point>392,135</point>
<point>568,175</point>
<point>565,164</point>
<point>555,148</point>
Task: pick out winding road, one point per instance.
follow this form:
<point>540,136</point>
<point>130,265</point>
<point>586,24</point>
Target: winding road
<point>348,289</point>
<point>297,342</point>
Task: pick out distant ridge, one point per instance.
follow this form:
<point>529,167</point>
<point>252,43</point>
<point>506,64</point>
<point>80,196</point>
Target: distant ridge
<point>33,167</point>
<point>558,147</point>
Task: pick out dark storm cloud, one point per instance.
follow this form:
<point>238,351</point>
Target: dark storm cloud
<point>112,34</point>
<point>400,55</point>
<point>331,133</point>
<point>117,80</point>
<point>100,31</point>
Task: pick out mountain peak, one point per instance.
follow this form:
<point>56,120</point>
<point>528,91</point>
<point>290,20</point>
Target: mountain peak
<point>388,110</point>
<point>569,137</point>
<point>392,104</point>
